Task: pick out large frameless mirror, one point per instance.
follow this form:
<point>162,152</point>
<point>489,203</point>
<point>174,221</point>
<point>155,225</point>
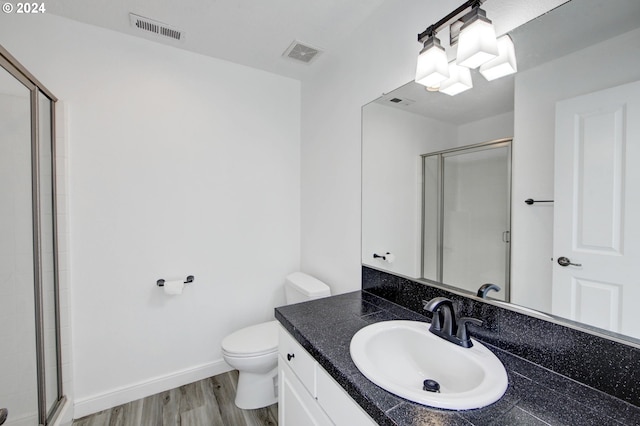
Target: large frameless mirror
<point>571,112</point>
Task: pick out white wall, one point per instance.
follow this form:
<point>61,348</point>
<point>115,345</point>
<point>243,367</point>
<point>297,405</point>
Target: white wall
<point>392,183</point>
<point>378,57</point>
<point>603,65</point>
<point>179,164</point>
<point>488,129</point>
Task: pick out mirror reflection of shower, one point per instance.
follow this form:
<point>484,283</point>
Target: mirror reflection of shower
<point>466,216</point>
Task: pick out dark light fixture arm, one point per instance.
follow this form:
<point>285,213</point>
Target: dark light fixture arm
<point>433,29</point>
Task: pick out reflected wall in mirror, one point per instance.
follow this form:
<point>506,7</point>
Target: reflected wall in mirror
<point>577,84</point>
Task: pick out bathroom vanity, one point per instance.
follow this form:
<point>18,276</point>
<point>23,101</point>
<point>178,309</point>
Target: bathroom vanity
<point>320,384</point>
<point>308,394</point>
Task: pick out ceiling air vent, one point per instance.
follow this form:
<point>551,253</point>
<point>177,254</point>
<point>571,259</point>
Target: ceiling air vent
<point>403,101</point>
<point>155,27</point>
<point>302,52</point>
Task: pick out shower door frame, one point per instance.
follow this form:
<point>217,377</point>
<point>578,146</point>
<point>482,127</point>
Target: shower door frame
<point>18,71</point>
<point>493,144</point>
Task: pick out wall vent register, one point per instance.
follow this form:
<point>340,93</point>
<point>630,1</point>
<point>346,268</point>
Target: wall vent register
<point>155,27</point>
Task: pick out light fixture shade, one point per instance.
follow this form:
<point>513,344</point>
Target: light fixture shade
<point>459,80</point>
<point>477,41</point>
<point>433,67</point>
<point>504,63</point>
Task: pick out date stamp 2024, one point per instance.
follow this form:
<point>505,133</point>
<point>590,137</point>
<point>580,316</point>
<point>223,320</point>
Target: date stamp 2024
<point>24,8</point>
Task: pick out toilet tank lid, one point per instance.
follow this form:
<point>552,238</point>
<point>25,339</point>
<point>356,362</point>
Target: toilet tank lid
<point>308,285</point>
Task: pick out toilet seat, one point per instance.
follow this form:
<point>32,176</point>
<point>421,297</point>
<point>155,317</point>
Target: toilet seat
<point>252,341</point>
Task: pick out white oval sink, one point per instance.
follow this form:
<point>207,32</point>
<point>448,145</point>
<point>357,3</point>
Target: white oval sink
<point>399,355</point>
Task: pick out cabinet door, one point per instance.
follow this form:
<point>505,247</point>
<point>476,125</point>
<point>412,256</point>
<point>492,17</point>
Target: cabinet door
<point>337,403</point>
<point>296,407</point>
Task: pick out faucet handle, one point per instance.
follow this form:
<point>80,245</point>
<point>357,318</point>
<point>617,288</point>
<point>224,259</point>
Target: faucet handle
<point>462,335</point>
<point>435,318</point>
<point>443,320</point>
<point>433,304</point>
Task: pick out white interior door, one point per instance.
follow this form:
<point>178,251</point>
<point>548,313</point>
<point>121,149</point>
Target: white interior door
<point>597,209</point>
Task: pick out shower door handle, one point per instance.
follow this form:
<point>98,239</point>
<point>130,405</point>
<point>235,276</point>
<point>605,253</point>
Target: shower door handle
<point>3,415</point>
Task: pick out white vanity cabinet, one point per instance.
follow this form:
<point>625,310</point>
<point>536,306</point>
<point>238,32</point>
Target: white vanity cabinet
<point>308,395</point>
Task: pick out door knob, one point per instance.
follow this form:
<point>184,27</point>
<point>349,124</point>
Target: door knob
<point>565,261</point>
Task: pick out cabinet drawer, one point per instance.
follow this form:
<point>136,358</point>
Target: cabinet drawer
<point>298,359</point>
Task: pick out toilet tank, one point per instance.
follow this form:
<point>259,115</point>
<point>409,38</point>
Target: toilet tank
<point>300,287</point>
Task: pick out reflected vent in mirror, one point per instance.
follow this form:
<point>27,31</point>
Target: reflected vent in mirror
<point>155,27</point>
<point>401,101</point>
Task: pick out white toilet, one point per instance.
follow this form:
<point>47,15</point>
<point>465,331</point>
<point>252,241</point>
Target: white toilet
<point>253,350</point>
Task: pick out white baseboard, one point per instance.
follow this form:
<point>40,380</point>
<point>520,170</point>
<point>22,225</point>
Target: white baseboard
<point>93,404</point>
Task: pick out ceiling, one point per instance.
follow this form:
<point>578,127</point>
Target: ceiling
<point>249,32</point>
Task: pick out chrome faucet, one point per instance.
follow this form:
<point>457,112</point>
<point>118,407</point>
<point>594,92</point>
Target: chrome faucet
<point>444,324</point>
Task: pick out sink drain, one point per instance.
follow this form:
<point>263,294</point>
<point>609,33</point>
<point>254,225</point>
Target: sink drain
<point>430,385</point>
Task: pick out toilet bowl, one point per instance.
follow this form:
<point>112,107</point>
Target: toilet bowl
<point>253,350</point>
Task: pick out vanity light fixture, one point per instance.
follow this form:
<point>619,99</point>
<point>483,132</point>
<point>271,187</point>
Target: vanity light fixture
<point>504,63</point>
<point>477,42</point>
<point>477,47</point>
<point>432,66</point>
<point>459,80</point>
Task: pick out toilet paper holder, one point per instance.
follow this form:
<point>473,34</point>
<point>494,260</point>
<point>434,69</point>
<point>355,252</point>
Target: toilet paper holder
<point>189,279</point>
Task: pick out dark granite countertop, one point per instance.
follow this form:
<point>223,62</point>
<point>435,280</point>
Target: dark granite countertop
<point>535,396</point>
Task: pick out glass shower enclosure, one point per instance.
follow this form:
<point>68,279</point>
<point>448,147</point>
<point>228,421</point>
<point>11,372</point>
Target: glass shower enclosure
<point>466,216</point>
<point>30,359</point>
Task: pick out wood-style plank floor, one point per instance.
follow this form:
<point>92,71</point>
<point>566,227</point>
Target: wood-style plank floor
<point>208,402</point>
